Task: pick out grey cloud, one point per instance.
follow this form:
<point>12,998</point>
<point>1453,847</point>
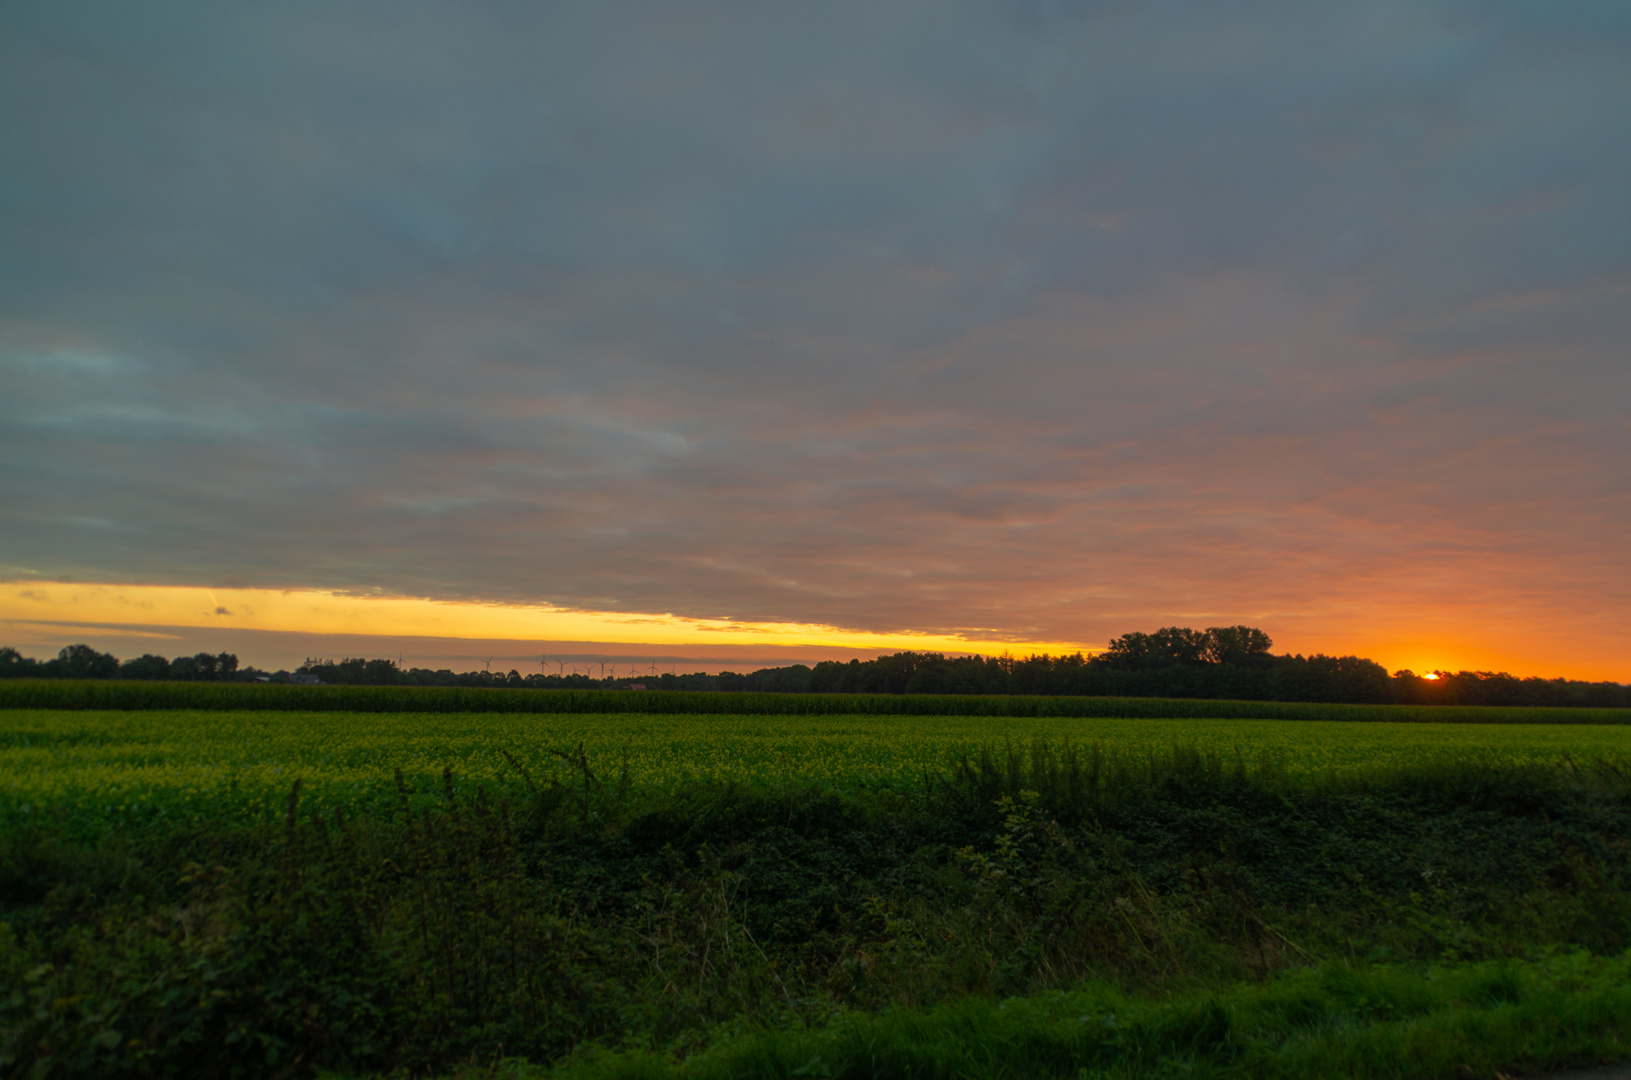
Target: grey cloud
<point>1021,319</point>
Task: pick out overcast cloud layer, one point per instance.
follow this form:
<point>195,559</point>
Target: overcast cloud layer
<point>1043,320</point>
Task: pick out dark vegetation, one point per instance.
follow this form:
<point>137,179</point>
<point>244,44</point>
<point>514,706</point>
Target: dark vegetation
<point>1219,663</point>
<point>533,920</point>
<point>1345,679</point>
<point>122,695</point>
<point>84,662</point>
<point>1458,1020</point>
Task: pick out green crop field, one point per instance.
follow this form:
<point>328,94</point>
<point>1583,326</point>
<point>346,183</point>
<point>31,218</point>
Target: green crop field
<point>120,694</point>
<point>103,769</point>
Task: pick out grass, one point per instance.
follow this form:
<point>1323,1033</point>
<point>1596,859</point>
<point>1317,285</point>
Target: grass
<point>132,695</point>
<point>166,769</point>
<point>1333,1021</point>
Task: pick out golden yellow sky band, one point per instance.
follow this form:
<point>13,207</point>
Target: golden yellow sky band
<point>315,611</point>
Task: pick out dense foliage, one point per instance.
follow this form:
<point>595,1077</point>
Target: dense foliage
<point>531,914</point>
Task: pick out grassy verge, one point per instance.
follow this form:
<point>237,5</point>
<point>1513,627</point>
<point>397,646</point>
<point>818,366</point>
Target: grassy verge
<point>1337,1020</point>
<point>132,695</point>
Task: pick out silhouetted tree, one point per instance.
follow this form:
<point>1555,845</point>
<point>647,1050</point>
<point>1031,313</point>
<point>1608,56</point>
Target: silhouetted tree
<point>204,666</point>
<point>1129,652</point>
<point>146,666</point>
<point>1242,646</point>
<point>14,665</point>
<point>84,662</point>
<point>1170,646</point>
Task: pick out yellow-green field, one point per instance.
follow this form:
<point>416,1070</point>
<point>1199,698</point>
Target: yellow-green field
<point>101,768</point>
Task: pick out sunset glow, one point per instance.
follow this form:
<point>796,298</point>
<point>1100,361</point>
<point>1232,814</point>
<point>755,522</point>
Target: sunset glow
<point>135,609</point>
<point>132,618</point>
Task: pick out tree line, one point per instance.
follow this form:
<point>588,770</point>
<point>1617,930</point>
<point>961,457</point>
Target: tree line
<point>84,662</point>
<point>1228,662</point>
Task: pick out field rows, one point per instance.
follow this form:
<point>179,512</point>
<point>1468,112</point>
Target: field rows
<point>104,769</point>
<point>120,694</point>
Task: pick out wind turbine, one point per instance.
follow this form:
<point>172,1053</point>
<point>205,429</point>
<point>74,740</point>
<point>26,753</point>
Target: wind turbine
<point>488,664</point>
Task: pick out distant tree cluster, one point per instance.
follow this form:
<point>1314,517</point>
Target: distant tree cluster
<point>1232,662</point>
<point>84,662</point>
<point>355,671</point>
<point>1179,646</point>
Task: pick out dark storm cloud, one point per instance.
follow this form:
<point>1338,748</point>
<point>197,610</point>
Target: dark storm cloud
<point>1037,319</point>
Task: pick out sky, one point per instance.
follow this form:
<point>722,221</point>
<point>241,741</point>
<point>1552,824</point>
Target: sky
<point>766,331</point>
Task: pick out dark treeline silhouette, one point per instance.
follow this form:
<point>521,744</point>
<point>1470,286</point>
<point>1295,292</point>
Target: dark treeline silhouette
<point>359,672</point>
<point>1228,662</point>
<point>1318,678</point>
<point>84,662</point>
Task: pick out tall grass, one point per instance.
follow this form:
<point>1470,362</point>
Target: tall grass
<point>1336,1021</point>
<point>131,695</point>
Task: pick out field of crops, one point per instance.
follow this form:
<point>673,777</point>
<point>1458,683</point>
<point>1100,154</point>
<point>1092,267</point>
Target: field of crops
<point>98,770</point>
<point>122,694</point>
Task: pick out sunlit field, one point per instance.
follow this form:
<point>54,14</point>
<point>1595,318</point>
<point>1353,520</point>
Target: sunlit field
<point>101,769</point>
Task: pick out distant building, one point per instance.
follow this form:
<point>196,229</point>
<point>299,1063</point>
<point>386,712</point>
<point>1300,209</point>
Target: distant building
<point>305,678</point>
<point>637,686</point>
